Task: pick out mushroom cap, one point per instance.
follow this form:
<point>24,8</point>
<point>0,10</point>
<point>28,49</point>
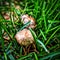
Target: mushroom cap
<point>25,18</point>
<point>6,15</point>
<point>24,37</point>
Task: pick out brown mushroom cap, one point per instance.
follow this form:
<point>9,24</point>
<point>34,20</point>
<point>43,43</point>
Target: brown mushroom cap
<point>24,37</point>
<point>25,18</point>
<point>6,15</point>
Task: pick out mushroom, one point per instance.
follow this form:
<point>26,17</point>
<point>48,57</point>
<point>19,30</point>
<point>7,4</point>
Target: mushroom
<point>24,37</point>
<point>25,18</point>
<point>6,15</point>
<point>17,7</point>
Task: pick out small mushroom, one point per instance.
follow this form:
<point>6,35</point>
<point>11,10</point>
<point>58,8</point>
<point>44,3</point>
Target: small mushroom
<point>24,37</point>
<point>17,7</point>
<point>5,36</point>
<point>25,18</point>
<point>6,15</point>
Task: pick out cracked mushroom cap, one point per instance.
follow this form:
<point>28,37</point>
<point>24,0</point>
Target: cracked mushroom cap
<point>24,37</point>
<point>25,18</point>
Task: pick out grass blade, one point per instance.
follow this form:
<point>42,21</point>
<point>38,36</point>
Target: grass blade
<point>25,57</point>
<point>11,57</point>
<point>50,55</point>
<point>53,10</point>
<point>43,35</point>
<point>49,30</point>
<point>44,16</point>
<point>52,36</point>
<point>43,46</point>
<point>8,46</point>
<point>36,58</point>
<point>51,7</point>
<point>5,56</point>
<point>37,40</point>
<point>25,25</point>
<point>56,15</point>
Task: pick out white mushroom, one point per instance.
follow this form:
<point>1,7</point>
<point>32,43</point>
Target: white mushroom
<point>25,18</point>
<point>24,37</point>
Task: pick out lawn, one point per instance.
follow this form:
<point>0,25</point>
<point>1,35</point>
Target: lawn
<point>46,34</point>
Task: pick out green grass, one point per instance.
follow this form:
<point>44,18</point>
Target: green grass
<point>46,34</point>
